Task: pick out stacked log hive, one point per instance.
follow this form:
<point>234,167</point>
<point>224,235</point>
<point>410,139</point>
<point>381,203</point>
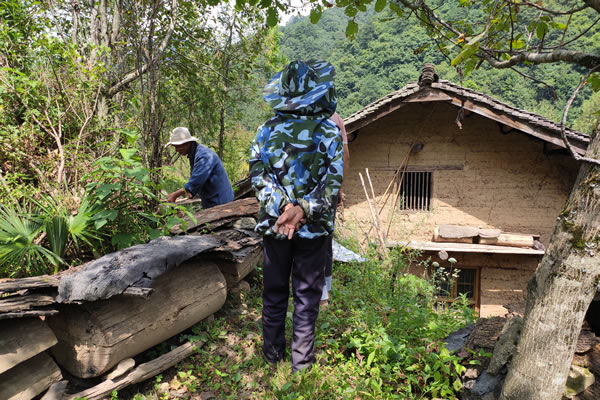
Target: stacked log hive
<point>95,315</point>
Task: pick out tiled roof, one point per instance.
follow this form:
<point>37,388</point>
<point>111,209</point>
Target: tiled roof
<point>551,129</point>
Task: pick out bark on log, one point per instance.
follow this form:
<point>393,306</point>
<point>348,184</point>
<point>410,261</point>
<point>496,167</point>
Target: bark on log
<point>29,378</point>
<point>97,335</point>
<point>56,391</point>
<point>233,210</point>
<point>139,374</point>
<point>135,266</point>
<point>23,339</point>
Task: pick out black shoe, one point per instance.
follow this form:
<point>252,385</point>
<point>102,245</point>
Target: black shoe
<point>272,356</point>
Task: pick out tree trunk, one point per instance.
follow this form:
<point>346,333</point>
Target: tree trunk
<point>559,294</point>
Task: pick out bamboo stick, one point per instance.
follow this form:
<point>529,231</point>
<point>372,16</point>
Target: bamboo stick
<point>374,219</point>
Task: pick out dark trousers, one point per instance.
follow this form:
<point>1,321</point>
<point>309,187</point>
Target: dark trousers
<point>304,260</point>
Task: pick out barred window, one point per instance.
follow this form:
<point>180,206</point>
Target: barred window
<point>415,192</point>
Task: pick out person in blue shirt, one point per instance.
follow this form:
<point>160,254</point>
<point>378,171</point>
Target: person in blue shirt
<point>208,179</point>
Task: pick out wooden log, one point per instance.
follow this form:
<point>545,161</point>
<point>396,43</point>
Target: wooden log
<point>29,378</point>
<point>23,339</point>
<point>465,236</point>
<point>234,271</point>
<point>510,240</point>
<point>237,208</point>
<point>95,336</point>
<point>141,373</point>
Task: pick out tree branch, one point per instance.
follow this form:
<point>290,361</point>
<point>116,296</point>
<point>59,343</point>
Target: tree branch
<point>133,75</point>
<point>575,155</point>
<point>577,57</point>
<point>595,4</point>
<point>533,5</point>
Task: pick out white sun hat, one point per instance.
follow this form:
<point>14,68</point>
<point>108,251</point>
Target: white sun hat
<point>181,135</point>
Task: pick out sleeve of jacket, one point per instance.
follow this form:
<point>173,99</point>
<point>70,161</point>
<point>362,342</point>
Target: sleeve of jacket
<point>203,165</point>
<point>324,195</point>
<point>268,192</point>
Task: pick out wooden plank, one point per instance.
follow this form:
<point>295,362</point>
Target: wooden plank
<point>422,168</point>
<point>465,248</point>
<point>23,314</point>
<point>36,282</point>
<point>426,96</point>
<point>29,378</point>
<point>23,303</point>
<point>22,339</point>
<point>141,373</point>
<point>95,336</point>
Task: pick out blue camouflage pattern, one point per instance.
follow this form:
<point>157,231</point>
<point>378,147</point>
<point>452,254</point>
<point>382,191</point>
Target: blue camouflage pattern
<point>297,156</point>
<point>303,88</point>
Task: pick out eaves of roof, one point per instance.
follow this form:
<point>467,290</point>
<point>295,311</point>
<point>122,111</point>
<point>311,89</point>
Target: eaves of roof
<point>476,102</point>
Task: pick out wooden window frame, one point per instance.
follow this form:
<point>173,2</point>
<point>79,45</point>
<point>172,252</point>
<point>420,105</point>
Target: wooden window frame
<point>475,301</point>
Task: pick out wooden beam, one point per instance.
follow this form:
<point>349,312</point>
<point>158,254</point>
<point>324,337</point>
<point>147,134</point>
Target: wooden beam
<point>466,248</point>
<point>422,168</point>
<point>380,113</point>
<point>141,373</point>
<point>427,96</point>
<point>539,133</point>
<point>32,313</point>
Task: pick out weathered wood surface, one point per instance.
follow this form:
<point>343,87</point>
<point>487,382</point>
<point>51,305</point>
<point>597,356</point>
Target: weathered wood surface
<point>23,314</point>
<point>29,379</point>
<point>56,391</point>
<point>35,282</point>
<point>511,240</point>
<point>136,266</point>
<point>22,339</point>
<point>24,303</point>
<point>235,271</point>
<point>141,373</point>
<point>220,214</point>
<point>94,336</point>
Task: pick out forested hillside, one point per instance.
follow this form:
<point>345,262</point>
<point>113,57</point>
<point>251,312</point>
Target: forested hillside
<point>388,52</point>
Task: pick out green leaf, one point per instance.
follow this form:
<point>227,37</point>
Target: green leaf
<point>315,14</point>
<point>272,18</point>
<point>128,154</point>
<point>154,233</point>
<point>370,359</point>
<point>351,11</point>
<point>396,9</point>
<point>594,80</point>
<point>351,29</point>
<point>468,51</point>
<point>122,240</point>
<point>380,5</point>
<point>541,30</point>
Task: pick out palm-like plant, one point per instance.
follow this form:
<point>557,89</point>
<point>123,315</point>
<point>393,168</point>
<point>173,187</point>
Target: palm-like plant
<point>20,254</point>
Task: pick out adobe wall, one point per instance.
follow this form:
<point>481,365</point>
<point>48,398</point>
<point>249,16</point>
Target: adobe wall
<point>502,181</point>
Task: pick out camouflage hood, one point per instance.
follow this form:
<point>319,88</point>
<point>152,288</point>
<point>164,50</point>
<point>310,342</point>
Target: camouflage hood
<point>303,88</point>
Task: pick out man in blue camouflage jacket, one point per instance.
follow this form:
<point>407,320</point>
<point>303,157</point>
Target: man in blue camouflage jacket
<point>296,166</point>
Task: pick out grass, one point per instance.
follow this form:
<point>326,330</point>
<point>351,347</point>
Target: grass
<point>380,338</point>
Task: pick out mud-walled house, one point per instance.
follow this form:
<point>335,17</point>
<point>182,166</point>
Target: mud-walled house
<point>461,175</point>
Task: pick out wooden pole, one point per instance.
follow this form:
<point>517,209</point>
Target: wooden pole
<point>374,219</point>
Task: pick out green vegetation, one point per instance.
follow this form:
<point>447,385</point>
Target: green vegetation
<point>389,51</point>
<point>379,338</point>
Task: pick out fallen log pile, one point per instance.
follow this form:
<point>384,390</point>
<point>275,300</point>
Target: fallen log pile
<point>89,318</point>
